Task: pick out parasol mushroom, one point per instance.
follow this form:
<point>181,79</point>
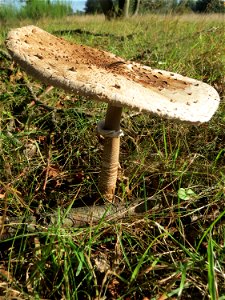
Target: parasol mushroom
<point>106,77</point>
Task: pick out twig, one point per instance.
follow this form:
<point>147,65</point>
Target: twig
<point>36,99</point>
<point>78,217</point>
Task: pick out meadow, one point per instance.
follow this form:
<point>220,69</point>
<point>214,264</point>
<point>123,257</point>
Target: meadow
<point>50,160</point>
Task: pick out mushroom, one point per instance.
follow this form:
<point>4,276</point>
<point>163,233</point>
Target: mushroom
<point>103,76</point>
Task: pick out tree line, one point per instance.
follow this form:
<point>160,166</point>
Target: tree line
<point>123,8</point>
<point>36,9</point>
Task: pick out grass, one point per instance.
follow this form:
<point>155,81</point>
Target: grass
<point>50,158</point>
<point>34,10</point>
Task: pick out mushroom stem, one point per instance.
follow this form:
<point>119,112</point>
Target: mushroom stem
<point>110,159</point>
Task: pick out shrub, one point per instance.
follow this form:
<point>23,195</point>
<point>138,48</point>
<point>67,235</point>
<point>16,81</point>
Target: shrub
<point>38,9</point>
<point>7,13</point>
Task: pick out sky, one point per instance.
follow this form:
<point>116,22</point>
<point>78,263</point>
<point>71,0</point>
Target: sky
<point>76,4</point>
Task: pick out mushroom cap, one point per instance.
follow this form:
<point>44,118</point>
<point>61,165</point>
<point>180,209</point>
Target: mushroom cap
<point>103,76</point>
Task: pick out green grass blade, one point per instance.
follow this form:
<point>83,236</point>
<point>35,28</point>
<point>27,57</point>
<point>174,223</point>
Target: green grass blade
<point>211,271</point>
<point>210,228</point>
<point>140,262</point>
<point>183,278</point>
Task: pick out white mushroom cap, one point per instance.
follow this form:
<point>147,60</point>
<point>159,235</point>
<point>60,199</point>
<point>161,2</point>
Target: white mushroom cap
<point>103,76</point>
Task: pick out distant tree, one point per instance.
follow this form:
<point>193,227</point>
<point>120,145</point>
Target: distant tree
<point>201,5</point>
<point>92,7</point>
<point>184,6</point>
<point>158,5</point>
<point>108,9</point>
<point>216,6</point>
<point>210,6</point>
<point>119,8</point>
<point>124,9</point>
<point>167,6</point>
<point>136,6</point>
